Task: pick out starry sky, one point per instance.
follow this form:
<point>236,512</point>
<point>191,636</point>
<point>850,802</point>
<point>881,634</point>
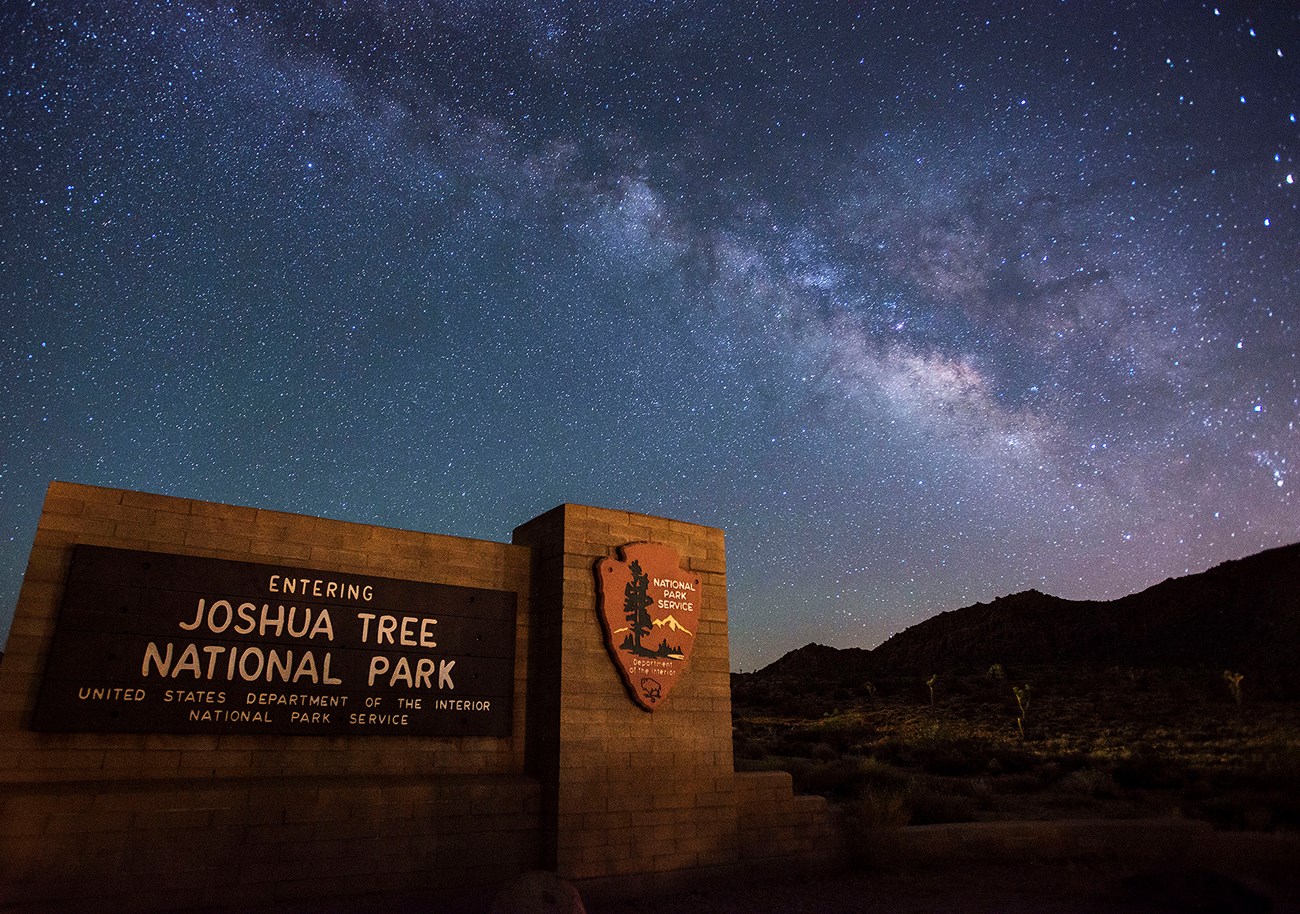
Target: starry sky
<point>923,303</point>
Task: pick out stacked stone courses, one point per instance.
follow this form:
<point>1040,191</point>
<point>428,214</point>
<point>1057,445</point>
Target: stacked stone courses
<point>586,784</point>
<point>637,795</point>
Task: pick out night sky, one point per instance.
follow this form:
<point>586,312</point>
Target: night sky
<point>923,303</point>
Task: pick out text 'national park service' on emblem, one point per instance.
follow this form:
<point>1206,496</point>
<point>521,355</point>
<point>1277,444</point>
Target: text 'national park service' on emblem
<point>649,607</point>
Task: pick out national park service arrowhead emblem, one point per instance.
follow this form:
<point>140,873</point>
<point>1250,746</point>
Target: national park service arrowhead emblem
<point>649,607</point>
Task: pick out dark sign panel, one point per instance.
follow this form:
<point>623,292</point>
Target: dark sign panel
<point>154,643</point>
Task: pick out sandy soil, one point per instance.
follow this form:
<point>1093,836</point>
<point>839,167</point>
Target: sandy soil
<point>968,889</point>
<point>1032,889</point>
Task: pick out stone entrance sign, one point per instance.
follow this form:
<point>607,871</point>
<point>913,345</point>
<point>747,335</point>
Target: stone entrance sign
<point>224,707</point>
<point>153,642</point>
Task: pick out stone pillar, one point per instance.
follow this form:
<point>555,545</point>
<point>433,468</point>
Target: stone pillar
<point>626,792</point>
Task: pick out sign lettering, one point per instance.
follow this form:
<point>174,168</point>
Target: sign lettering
<point>152,642</point>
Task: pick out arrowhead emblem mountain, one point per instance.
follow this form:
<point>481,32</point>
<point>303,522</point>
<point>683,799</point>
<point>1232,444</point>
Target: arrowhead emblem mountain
<point>671,622</point>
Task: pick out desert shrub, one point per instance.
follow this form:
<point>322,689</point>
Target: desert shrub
<point>1277,766</point>
<point>798,705</point>
<point>893,752</point>
<point>842,779</point>
<point>1269,775</point>
<point>746,748</point>
<point>794,743</point>
<point>1048,773</point>
<point>959,686</point>
<point>952,759</point>
<point>933,807</point>
<point>974,788</point>
<point>835,780</point>
<point>905,802</point>
<point>882,808</point>
<point>1087,784</point>
<point>1075,760</point>
<point>948,752</point>
<point>823,752</point>
<point>1010,759</point>
<point>1023,783</point>
<point>1148,769</point>
<point>876,774</point>
<point>840,733</point>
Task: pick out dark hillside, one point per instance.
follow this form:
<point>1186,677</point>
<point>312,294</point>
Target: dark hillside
<point>1242,615</point>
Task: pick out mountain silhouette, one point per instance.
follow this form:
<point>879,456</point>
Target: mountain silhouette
<point>1243,615</point>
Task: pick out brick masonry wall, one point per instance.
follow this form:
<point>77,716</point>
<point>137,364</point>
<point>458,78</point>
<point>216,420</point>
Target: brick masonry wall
<point>108,817</point>
<point>635,792</point>
<point>139,846</point>
<point>778,828</point>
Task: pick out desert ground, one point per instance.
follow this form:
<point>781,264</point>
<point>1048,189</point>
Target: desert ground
<point>1040,742</point>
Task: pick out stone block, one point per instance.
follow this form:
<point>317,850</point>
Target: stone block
<point>268,551</point>
<point>156,537</point>
<point>244,515</point>
<point>158,503</point>
<point>64,504</point>
<point>234,544</point>
<point>78,524</point>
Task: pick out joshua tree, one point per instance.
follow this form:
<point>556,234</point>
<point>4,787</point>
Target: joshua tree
<point>1022,702</point>
<point>1234,684</point>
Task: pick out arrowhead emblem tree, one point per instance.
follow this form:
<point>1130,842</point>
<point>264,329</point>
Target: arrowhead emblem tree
<point>636,603</point>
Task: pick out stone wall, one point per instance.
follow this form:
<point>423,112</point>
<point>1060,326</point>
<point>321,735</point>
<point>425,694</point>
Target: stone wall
<point>234,842</point>
<point>775,826</point>
<point>130,821</point>
<point>634,792</point>
<point>588,784</point>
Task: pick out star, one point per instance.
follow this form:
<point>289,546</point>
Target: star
<point>921,308</point>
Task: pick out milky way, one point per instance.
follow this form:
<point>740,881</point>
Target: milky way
<point>922,303</point>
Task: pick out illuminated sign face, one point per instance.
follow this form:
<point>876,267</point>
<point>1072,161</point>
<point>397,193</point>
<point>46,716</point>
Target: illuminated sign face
<point>154,643</point>
<point>649,607</point>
